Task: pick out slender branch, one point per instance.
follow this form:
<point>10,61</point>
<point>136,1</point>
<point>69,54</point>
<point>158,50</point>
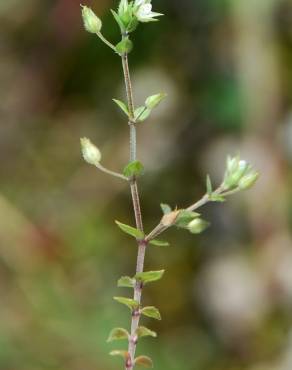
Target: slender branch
<point>112,173</point>
<point>137,211</point>
<point>109,44</point>
<point>160,228</point>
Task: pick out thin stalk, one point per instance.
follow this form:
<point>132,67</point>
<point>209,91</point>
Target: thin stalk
<point>109,44</point>
<point>112,173</point>
<point>137,211</point>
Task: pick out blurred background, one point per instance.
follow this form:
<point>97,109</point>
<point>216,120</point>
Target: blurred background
<point>226,296</point>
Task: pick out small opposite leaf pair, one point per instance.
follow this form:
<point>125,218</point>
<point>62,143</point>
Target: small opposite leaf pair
<point>141,360</point>
<point>149,311</point>
<point>144,277</point>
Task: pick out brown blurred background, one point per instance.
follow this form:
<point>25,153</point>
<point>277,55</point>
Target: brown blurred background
<point>226,296</point>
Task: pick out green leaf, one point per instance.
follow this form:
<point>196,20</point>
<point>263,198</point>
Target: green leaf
<point>144,361</point>
<point>209,186</point>
<point>165,208</point>
<point>126,282</point>
<point>118,20</point>
<point>185,217</point>
<point>149,277</point>
<point>125,46</point>
<point>135,168</point>
<point>138,112</point>
<point>144,115</point>
<point>123,354</point>
<point>138,234</point>
<point>123,106</point>
<point>197,226</point>
<point>142,331</point>
<point>117,334</point>
<point>154,100</point>
<point>159,243</point>
<point>131,303</point>
<point>217,198</point>
<point>151,311</point>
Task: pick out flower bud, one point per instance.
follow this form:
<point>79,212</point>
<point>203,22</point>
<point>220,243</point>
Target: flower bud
<point>90,152</point>
<point>197,226</point>
<point>248,181</point>
<point>91,21</point>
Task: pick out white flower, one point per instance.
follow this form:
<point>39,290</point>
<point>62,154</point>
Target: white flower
<point>144,11</point>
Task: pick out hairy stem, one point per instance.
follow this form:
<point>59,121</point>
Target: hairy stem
<point>137,211</point>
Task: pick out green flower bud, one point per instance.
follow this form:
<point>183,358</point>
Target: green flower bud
<point>90,152</point>
<point>248,181</point>
<point>197,226</point>
<point>91,21</point>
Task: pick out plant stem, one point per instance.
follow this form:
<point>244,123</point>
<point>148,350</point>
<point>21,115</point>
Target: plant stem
<point>142,244</point>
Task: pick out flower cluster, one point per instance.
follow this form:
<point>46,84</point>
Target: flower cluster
<point>239,174</point>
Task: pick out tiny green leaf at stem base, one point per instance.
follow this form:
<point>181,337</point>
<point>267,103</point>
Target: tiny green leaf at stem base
<point>151,311</point>
<point>118,334</point>
<point>138,234</point>
<point>149,277</point>
<point>144,361</point>
<point>133,169</point>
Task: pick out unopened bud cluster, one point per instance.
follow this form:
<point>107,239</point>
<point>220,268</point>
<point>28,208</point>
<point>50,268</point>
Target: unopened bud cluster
<point>239,174</point>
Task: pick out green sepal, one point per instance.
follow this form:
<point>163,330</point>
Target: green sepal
<point>134,168</point>
<point>119,21</point>
<point>159,243</point>
<point>138,234</point>
<point>126,282</point>
<point>165,208</point>
<point>209,186</point>
<point>142,331</point>
<point>125,46</point>
<point>118,334</point>
<point>151,311</point>
<point>144,361</point>
<point>122,106</point>
<point>185,217</point>
<point>149,277</point>
<point>130,303</point>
